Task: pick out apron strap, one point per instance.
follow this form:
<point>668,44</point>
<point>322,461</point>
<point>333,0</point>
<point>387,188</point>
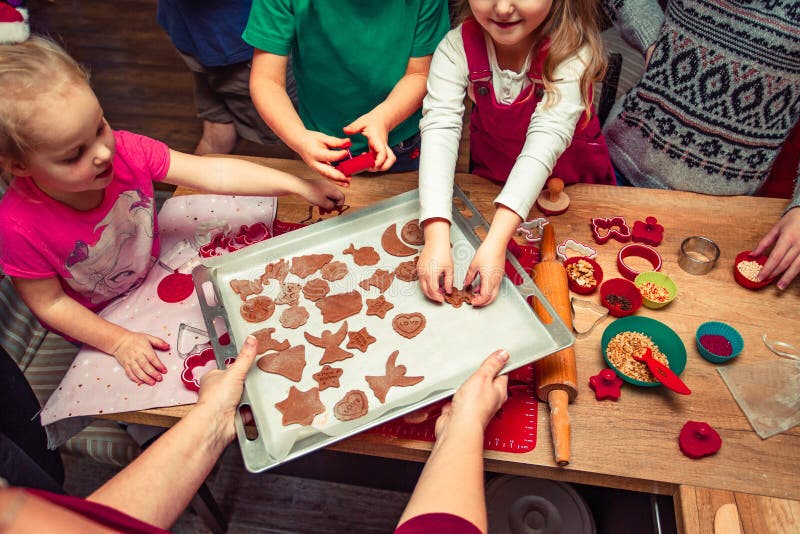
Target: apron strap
<point>475,49</point>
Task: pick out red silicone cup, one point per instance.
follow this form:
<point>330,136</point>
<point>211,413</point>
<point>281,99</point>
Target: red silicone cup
<point>574,286</point>
<point>641,251</point>
<point>740,278</point>
<point>621,288</point>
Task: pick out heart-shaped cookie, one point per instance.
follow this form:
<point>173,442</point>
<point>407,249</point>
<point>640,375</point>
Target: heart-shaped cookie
<point>352,406</point>
<point>409,324</point>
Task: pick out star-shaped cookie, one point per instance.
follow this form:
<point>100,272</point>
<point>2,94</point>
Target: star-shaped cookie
<point>379,306</point>
<point>360,339</point>
<point>300,406</point>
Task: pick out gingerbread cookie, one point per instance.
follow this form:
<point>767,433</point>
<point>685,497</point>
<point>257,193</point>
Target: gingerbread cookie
<point>294,317</point>
<point>245,288</point>
<point>303,266</point>
<point>330,342</point>
<point>335,270</point>
<point>412,233</point>
<point>360,339</point>
<point>340,306</point>
<point>395,376</point>
<point>392,244</point>
<point>407,270</point>
<point>379,306</point>
<point>257,309</point>
<point>362,256</point>
<point>300,406</point>
<point>290,294</point>
<point>458,296</point>
<point>327,377</point>
<point>381,279</point>
<point>289,363</point>
<point>276,270</point>
<point>264,341</point>
<point>316,289</point>
<point>353,405</point>
<point>409,325</point>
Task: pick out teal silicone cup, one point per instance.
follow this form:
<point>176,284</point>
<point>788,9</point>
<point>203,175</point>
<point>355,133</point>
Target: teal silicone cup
<point>719,329</point>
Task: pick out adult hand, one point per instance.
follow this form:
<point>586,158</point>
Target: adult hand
<point>374,129</point>
<point>319,150</point>
<point>221,391</point>
<point>436,261</point>
<point>479,398</point>
<point>324,194</point>
<point>134,351</point>
<point>784,258</point>
<point>489,263</point>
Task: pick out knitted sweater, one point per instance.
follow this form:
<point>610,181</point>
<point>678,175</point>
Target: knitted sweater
<point>718,98</point>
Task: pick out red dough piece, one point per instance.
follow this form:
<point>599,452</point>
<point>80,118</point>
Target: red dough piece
<point>698,439</point>
<point>649,232</point>
<point>606,385</point>
<point>175,287</point>
<point>604,229</point>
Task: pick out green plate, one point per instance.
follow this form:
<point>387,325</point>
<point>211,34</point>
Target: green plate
<point>665,337</point>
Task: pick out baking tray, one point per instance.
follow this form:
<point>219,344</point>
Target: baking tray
<point>451,346</point>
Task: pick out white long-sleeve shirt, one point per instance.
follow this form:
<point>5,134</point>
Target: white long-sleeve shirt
<point>549,132</point>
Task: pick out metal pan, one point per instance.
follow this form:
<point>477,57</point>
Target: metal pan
<point>449,348</point>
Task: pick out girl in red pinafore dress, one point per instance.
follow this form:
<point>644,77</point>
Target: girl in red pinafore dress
<point>528,66</point>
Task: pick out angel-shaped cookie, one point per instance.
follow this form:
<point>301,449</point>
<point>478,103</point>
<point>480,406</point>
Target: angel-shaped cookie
<point>330,342</point>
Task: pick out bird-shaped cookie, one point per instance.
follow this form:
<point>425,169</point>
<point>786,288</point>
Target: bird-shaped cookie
<point>395,376</point>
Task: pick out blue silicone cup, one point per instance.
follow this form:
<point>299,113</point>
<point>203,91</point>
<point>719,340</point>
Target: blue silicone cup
<point>720,329</point>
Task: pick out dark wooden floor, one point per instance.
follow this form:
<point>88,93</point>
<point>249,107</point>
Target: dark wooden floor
<point>140,80</point>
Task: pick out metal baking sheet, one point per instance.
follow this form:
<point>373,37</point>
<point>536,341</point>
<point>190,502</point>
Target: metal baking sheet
<point>451,346</point>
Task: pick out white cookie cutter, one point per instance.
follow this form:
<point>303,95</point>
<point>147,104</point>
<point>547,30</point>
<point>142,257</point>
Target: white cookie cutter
<point>579,248</point>
<point>532,230</point>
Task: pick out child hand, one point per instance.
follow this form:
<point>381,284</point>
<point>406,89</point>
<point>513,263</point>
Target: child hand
<point>377,134</point>
<point>134,351</point>
<point>317,150</point>
<point>785,255</point>
<point>489,262</point>
<point>479,398</point>
<point>220,391</point>
<point>436,262</point>
<point>324,194</point>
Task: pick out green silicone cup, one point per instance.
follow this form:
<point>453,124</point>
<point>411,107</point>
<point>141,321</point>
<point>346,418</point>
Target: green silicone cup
<point>660,280</point>
<point>665,337</point>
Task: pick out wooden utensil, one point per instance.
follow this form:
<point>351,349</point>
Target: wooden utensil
<point>556,375</point>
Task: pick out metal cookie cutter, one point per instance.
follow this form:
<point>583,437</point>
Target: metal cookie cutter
<point>698,254</point>
<point>532,230</point>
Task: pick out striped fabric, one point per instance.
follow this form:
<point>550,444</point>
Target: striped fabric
<point>44,357</point>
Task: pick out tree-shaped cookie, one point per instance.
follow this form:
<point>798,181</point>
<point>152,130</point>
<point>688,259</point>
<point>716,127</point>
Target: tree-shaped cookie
<point>395,376</point>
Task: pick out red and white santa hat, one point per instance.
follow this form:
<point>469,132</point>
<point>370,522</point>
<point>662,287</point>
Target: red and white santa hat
<point>14,26</point>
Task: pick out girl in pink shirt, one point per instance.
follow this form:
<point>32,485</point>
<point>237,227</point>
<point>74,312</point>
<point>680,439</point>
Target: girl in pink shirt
<point>78,224</point>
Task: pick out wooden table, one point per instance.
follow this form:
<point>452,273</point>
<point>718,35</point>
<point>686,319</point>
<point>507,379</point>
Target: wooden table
<point>632,444</point>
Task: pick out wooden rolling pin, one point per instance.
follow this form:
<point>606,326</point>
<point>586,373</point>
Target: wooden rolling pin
<point>556,375</point>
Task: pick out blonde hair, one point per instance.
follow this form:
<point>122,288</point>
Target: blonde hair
<point>28,70</point>
<point>570,25</point>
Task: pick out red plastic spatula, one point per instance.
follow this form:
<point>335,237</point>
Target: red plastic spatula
<point>663,373</point>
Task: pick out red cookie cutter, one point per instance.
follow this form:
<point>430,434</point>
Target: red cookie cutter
<point>641,251</point>
<point>354,165</point>
<point>616,228</point>
<point>648,231</point>
<point>606,385</point>
<point>698,439</point>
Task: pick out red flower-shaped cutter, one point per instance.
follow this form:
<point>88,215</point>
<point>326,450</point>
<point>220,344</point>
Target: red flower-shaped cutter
<point>606,385</point>
<point>648,231</point>
<point>604,229</point>
<point>698,439</point>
